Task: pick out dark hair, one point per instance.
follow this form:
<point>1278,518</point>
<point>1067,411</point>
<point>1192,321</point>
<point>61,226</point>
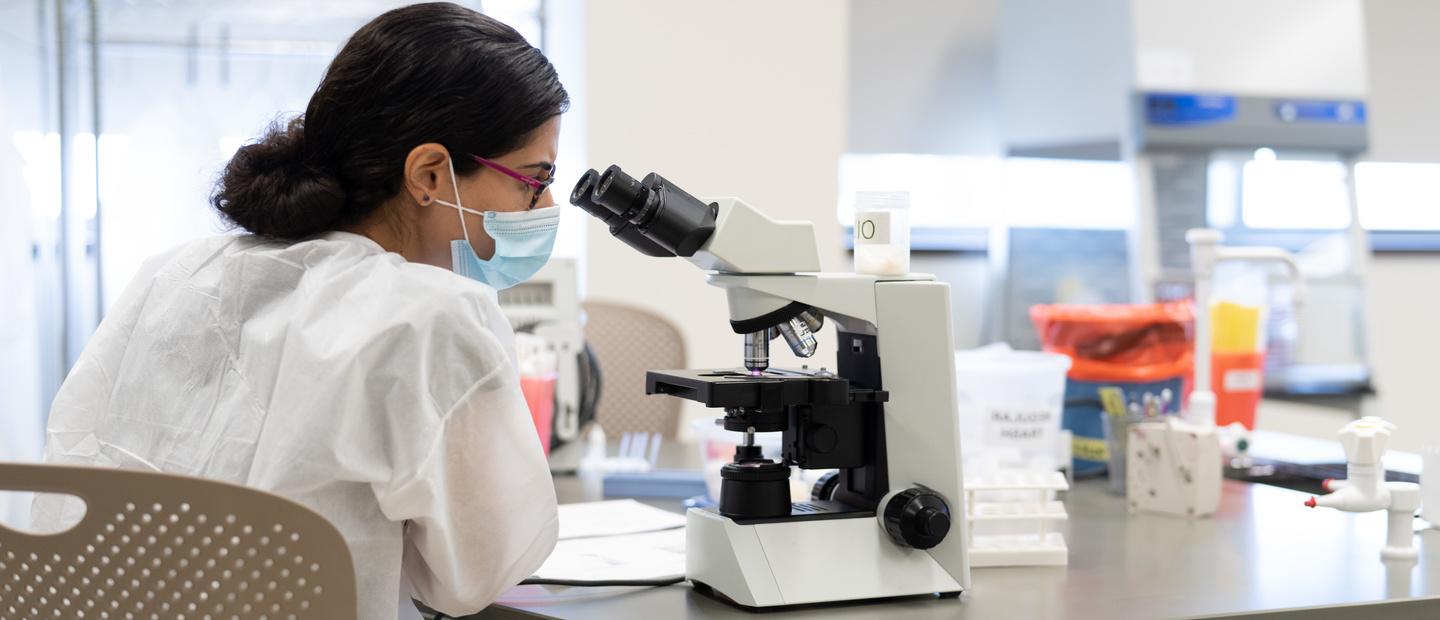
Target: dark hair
<point>432,72</point>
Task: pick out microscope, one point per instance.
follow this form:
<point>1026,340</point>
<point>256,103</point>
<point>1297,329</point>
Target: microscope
<point>890,520</point>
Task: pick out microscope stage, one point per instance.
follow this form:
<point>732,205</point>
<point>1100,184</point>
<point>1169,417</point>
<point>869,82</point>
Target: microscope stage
<point>813,510</point>
<point>772,389</point>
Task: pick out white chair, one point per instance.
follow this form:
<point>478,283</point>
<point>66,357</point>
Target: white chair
<point>154,546</point>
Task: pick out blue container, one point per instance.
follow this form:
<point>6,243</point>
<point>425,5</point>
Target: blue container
<point>1083,416</point>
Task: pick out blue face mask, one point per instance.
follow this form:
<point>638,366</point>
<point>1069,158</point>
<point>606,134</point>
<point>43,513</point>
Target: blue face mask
<point>523,240</point>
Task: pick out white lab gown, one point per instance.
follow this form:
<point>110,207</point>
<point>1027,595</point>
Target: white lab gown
<point>376,391</point>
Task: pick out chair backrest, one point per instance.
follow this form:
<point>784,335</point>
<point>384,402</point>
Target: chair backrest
<point>162,546</point>
<point>627,342</point>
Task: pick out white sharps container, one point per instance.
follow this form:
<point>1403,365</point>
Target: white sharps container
<point>882,233</point>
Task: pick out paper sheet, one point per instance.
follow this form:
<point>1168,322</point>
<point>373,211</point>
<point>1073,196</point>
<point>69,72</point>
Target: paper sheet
<point>652,555</point>
<point>613,518</point>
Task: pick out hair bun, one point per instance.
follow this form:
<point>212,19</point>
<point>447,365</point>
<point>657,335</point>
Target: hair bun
<point>269,188</point>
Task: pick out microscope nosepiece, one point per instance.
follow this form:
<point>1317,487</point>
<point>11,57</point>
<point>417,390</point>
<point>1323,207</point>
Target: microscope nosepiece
<point>798,335</point>
<point>757,351</point>
<point>800,332</point>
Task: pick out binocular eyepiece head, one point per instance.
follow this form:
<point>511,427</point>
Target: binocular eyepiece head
<point>653,216</point>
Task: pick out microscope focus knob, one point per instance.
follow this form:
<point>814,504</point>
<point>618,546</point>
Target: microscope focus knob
<point>824,488</point>
<point>917,518</point>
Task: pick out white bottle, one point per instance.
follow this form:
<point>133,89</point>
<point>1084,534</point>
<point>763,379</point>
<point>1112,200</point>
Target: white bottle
<point>592,465</point>
<point>882,233</point>
<point>1430,485</point>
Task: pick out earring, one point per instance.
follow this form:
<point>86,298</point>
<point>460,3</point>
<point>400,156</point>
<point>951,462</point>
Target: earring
<point>425,199</point>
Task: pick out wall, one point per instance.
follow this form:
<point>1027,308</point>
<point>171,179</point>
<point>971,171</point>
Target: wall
<point>1404,60</point>
<point>1062,72</point>
<point>922,77</point>
<point>1275,47</point>
<point>739,98</point>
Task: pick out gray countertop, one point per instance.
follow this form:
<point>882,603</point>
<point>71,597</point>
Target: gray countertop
<point>1264,554</point>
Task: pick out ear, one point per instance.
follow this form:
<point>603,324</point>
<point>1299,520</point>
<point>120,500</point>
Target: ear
<point>427,176</point>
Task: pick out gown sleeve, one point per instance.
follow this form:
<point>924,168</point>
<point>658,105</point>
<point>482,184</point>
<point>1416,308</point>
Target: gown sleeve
<point>479,510</point>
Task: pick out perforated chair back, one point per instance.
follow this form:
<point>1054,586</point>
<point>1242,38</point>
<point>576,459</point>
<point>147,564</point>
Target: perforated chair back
<point>628,342</point>
<point>157,546</point>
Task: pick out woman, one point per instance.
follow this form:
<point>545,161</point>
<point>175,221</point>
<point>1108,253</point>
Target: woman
<point>331,356</point>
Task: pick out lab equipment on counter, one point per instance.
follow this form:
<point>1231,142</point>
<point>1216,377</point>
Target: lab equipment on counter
<point>1237,347</point>
<point>1182,462</point>
<point>537,366</point>
<point>884,525</point>
<point>882,233</point>
<point>634,456</point>
<point>1120,413</point>
<point>1430,485</point>
<point>547,305</point>
<point>645,480</point>
<point>633,471</point>
<point>1173,468</point>
<point>1364,488</point>
<point>1237,361</point>
<point>1304,463</point>
<point>660,483</point>
<point>1142,349</point>
<point>1010,407</point>
<point>1014,518</point>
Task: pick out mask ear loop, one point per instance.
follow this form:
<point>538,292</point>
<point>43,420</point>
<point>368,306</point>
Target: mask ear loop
<point>459,209</point>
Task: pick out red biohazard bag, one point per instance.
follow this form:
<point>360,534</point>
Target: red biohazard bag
<point>1121,342</point>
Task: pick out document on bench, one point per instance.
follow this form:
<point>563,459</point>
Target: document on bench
<point>646,556</point>
<point>613,518</point>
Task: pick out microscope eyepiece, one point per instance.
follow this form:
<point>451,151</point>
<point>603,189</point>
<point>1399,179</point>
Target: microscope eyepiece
<point>583,196</point>
<point>618,192</point>
<point>653,216</point>
<point>580,196</point>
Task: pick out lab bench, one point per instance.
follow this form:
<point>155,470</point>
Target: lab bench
<point>1264,555</point>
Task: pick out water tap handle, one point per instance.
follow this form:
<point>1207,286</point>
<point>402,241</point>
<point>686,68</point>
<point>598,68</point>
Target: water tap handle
<point>1365,440</point>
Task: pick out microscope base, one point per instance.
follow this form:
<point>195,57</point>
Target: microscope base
<point>797,562</point>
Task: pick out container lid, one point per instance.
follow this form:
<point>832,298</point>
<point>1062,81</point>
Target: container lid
<point>873,200</point>
<point>999,357</point>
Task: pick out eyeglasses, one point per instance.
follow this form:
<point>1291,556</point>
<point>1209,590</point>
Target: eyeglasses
<point>538,185</point>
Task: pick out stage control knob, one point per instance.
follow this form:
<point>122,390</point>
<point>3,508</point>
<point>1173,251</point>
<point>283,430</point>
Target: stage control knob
<point>824,488</point>
<point>917,517</point>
